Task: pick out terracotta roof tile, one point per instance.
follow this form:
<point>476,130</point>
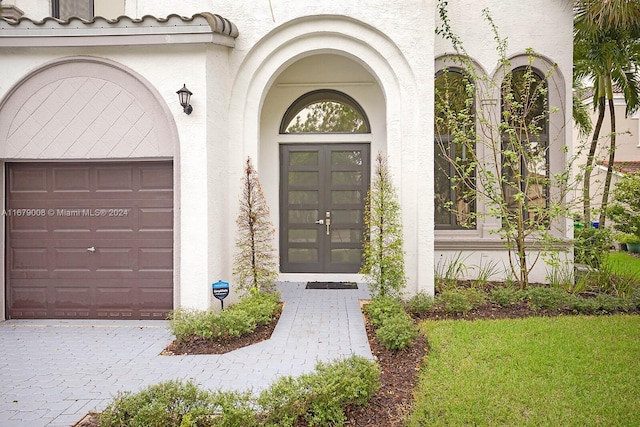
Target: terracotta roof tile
<point>172,23</point>
<point>627,167</point>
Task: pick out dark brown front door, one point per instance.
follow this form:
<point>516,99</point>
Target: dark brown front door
<point>323,191</point>
<point>89,240</point>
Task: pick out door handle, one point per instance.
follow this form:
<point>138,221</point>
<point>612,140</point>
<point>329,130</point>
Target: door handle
<point>328,223</point>
<point>320,221</point>
<point>91,249</point>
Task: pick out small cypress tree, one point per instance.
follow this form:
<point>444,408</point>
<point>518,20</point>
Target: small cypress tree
<point>255,263</point>
<point>383,264</point>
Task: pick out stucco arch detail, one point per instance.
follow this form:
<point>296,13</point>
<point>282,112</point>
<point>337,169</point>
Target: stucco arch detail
<point>324,35</point>
<point>85,108</point>
<point>405,112</point>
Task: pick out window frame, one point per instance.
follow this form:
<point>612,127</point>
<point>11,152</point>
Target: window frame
<point>322,95</point>
<point>448,139</point>
<point>543,137</point>
<point>55,10</point>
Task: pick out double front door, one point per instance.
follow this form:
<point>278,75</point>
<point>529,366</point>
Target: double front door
<point>322,201</point>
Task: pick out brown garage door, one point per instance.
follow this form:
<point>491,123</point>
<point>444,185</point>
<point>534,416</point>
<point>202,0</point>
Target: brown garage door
<point>89,240</point>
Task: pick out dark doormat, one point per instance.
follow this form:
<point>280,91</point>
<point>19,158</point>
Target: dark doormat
<point>332,285</point>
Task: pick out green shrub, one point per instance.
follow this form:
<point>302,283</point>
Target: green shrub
<point>382,307</point>
<point>625,209</point>
<point>185,322</point>
<point>284,402</point>
<point>591,246</point>
<point>233,323</point>
<point>635,299</point>
<point>582,305</point>
<point>612,279</point>
<point>397,332</point>
<point>239,319</point>
<point>610,303</point>
<point>600,303</point>
<point>477,297</point>
<point>178,404</point>
<point>321,396</point>
<point>338,385</point>
<point>454,301</point>
<point>420,303</point>
<point>261,306</point>
<point>542,297</point>
<point>505,296</point>
<point>233,409</point>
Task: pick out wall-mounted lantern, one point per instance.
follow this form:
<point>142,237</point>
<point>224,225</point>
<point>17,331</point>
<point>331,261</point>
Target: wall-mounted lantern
<point>184,95</point>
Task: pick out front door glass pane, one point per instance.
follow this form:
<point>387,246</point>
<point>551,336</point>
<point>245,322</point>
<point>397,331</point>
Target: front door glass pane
<point>303,216</point>
<point>346,235</point>
<point>297,235</point>
<point>303,158</point>
<point>303,255</point>
<point>346,178</point>
<point>303,178</point>
<point>345,197</point>
<point>346,256</point>
<point>346,158</point>
<point>301,197</point>
<point>351,216</point>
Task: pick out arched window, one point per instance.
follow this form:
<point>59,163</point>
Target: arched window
<point>525,141</point>
<point>454,115</point>
<point>325,111</point>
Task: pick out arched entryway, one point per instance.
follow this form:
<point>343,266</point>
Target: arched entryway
<point>349,56</point>
<point>322,119</point>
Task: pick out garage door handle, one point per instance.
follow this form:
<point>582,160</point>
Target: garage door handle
<point>91,249</point>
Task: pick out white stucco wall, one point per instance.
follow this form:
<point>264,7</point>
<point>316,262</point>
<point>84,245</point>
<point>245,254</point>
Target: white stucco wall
<point>194,266</point>
<point>397,52</point>
<point>403,110</point>
<point>238,103</point>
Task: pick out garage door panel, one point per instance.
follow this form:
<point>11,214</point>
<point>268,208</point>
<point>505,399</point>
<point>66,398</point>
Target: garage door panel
<point>101,251</point>
<point>28,259</point>
<point>33,297</point>
<point>121,223</point>
<point>114,179</point>
<point>112,297</point>
<point>74,259</point>
<point>154,259</point>
<point>154,179</point>
<point>25,182</point>
<point>115,259</point>
<point>69,298</point>
<point>155,219</point>
<point>68,179</point>
<point>27,224</point>
<point>68,221</point>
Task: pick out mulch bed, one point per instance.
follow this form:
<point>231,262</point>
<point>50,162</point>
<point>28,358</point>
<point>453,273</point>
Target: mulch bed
<point>399,370</point>
<point>200,345</point>
<point>392,403</point>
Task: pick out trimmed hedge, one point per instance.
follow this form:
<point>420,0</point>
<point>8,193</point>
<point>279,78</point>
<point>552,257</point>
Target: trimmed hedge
<point>237,320</point>
<point>319,398</point>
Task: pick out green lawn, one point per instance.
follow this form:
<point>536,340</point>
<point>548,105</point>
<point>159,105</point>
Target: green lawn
<point>622,262</point>
<point>561,371</point>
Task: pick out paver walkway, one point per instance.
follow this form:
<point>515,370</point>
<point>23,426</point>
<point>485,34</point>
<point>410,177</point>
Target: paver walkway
<point>53,372</point>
